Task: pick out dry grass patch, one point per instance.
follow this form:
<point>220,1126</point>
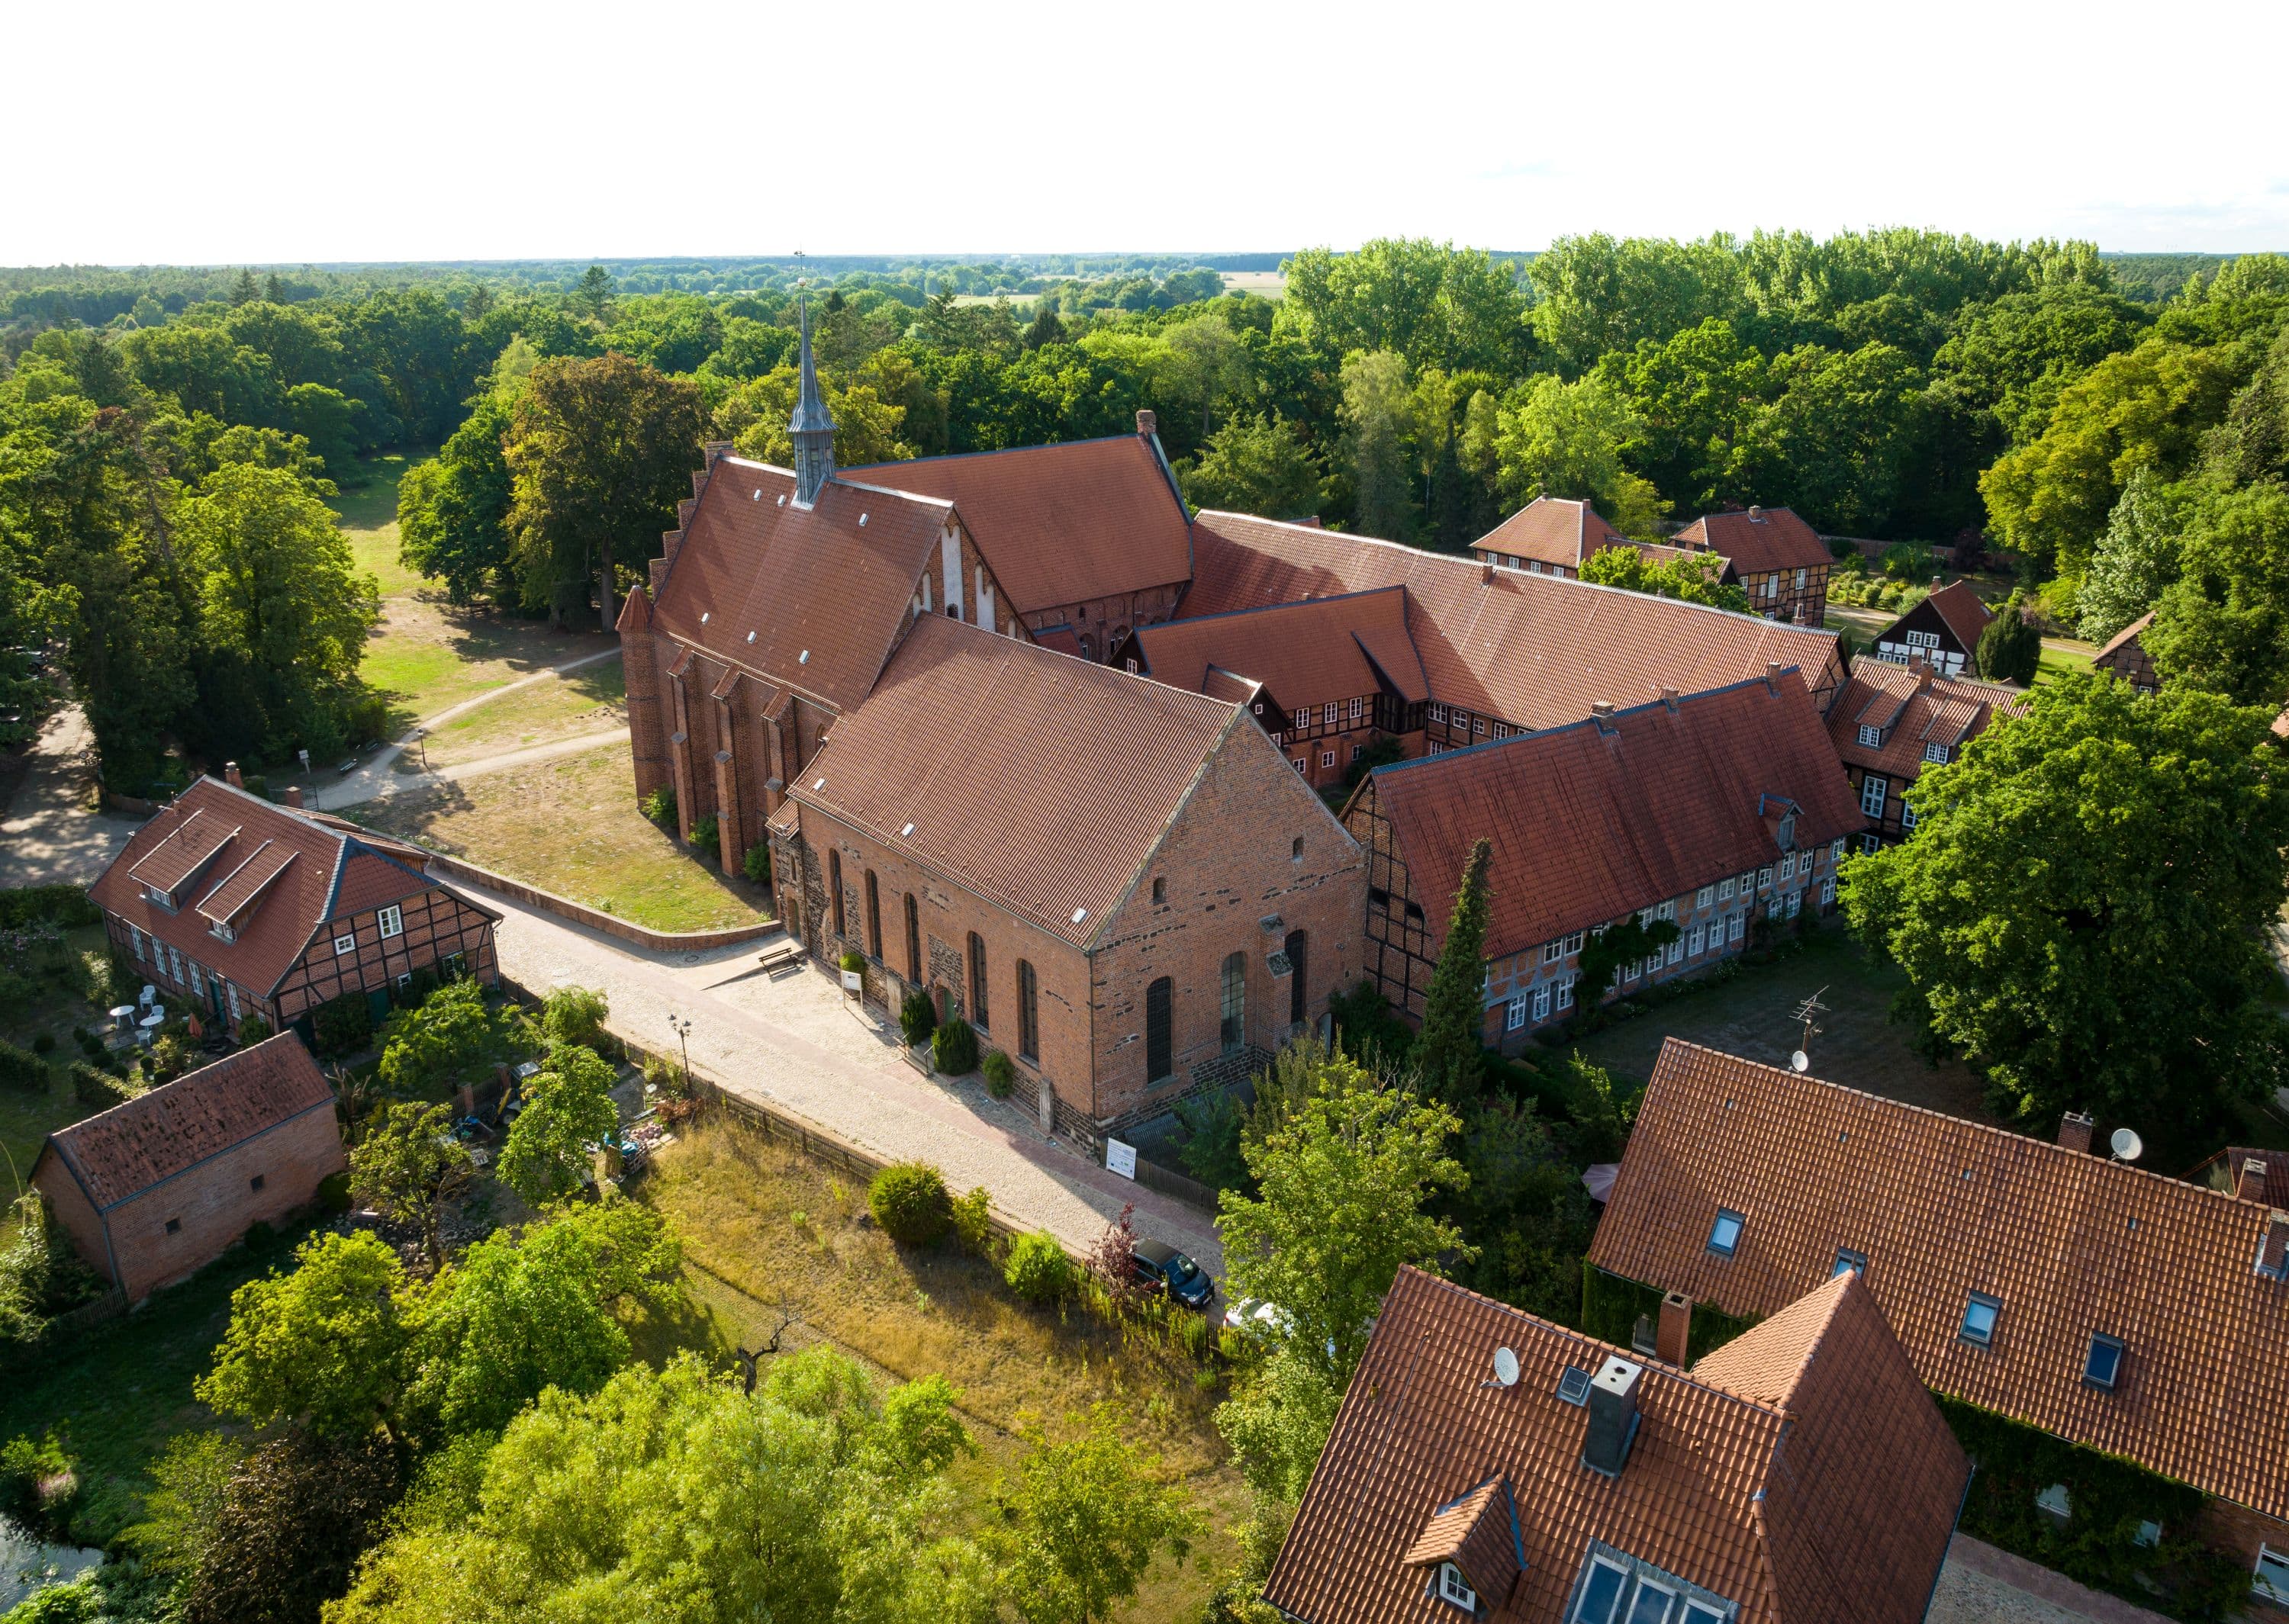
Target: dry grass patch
<point>764,1226</point>
<point>564,705</point>
<point>427,655</point>
<point>570,826</point>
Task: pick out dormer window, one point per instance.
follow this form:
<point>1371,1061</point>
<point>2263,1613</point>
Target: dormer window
<point>1873,738</point>
<point>1847,1259</point>
<point>1454,1589</point>
<point>1936,753</point>
<point>221,932</point>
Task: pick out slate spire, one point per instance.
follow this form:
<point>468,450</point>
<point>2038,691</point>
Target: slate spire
<point>811,429</point>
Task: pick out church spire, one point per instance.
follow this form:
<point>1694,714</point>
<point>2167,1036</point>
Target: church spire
<point>811,429</point>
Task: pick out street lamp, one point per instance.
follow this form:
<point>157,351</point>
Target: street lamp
<point>421,738</point>
<point>682,1030</point>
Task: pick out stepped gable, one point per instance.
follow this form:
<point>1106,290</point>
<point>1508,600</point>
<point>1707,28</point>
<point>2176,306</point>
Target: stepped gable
<point>809,598</point>
<point>1537,651</point>
<point>1566,810</point>
<point>1756,1500</point>
<point>1060,524</point>
<point>962,758</point>
<point>2071,1246</point>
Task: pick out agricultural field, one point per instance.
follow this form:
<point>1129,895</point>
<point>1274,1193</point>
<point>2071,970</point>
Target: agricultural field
<point>570,825</point>
<point>768,1232</point>
<point>1264,284</point>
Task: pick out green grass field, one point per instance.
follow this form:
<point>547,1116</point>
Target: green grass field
<point>561,705</point>
<point>368,513</point>
<point>2061,656</point>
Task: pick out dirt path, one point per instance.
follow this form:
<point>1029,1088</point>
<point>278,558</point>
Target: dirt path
<point>410,777</point>
<point>51,835</point>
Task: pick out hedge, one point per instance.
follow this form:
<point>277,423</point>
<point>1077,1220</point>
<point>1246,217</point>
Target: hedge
<point>1611,1305</point>
<point>61,905</point>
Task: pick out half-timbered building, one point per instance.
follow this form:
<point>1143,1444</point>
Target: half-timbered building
<point>1892,722</point>
<point>1776,557</point>
<point>232,906</point>
<point>2125,657</point>
<point>1941,632</point>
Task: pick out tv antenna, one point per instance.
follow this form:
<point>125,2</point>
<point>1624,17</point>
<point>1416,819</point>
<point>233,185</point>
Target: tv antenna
<point>2126,1145</point>
<point>1801,1060</point>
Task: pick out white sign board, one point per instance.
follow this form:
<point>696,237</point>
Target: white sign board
<point>1120,1158</point>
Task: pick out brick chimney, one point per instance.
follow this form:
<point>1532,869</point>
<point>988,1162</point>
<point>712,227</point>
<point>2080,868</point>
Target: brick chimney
<point>1756,514</point>
<point>1668,696</point>
<point>2074,1133</point>
<point>1675,1331</point>
<point>1148,421</point>
<point>1486,573</point>
<point>1773,676</point>
<point>2249,1179</point>
<point>233,776</point>
<point>1601,712</point>
<point>294,796</point>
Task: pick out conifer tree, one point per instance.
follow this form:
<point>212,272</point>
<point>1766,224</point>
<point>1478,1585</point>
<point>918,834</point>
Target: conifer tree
<point>1447,1051</point>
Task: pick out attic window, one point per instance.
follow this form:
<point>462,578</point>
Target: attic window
<point>1574,1385</point>
<point>1079,914</point>
<point>908,830</point>
<point>1936,753</point>
<point>1870,736</point>
<point>2101,1365</point>
<point>1846,1258</point>
<point>1454,1589</point>
<point>1979,1317</point>
<point>1724,1234</point>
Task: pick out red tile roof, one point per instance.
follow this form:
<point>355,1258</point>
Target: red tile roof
<point>2123,639</point>
<point>1588,825</point>
<point>1751,1497</point>
<point>1551,530</point>
<point>809,597</point>
<point>116,1155</point>
<point>1960,608</point>
<point>1060,524</point>
<point>1759,541</point>
<point>2069,1244</point>
<point>1535,650</point>
<point>966,756</point>
<point>278,879</point>
<point>2223,1172</point>
<point>1304,653</point>
<point>1917,708</point>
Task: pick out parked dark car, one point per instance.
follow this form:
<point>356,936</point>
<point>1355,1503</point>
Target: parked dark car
<point>1165,1269</point>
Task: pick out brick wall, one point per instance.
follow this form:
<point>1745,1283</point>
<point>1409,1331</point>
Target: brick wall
<point>1104,622</point>
<point>2238,1531</point>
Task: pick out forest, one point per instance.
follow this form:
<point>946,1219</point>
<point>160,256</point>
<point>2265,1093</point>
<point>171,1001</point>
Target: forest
<point>168,438</point>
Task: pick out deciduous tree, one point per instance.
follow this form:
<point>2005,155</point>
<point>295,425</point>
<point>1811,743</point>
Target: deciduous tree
<point>326,1346</point>
<point>568,1109</point>
<point>408,1165</point>
<point>1090,1514</point>
<point>1255,464</point>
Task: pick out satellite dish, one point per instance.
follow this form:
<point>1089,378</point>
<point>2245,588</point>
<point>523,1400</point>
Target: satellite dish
<point>2127,1146</point>
<point>1505,1367</point>
<point>1800,1062</point>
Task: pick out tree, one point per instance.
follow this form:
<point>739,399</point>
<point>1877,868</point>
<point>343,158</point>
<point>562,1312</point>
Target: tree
<point>2084,906</point>
<point>1566,440</point>
<point>1255,464</point>
<point>1608,950</point>
<point>406,1166</point>
<point>576,1015</point>
<point>1446,1059</point>
<point>672,1495</point>
<point>297,1514</point>
<point>1835,441</point>
<point>2136,559</point>
<point>1343,1185</point>
<point>2009,649</point>
<point>1434,304</point>
<point>1277,1422</point>
<point>1089,1518</point>
<point>1376,428</point>
<point>2014,356</point>
<point>568,1110</point>
<point>1696,577</point>
<point>2223,625</point>
<point>325,1347</point>
<point>754,418</point>
<point>600,452</point>
<point>450,1038</point>
<point>453,509</point>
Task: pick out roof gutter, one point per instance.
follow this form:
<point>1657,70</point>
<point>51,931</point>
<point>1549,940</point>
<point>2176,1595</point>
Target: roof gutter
<point>1962,1501</point>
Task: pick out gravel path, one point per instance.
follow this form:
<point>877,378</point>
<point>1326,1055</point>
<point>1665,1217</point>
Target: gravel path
<point>410,778</point>
<point>796,1041</point>
<point>51,836</point>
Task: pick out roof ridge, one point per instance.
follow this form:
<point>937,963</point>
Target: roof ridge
<point>998,450</point>
<point>1267,608</point>
<point>889,490</point>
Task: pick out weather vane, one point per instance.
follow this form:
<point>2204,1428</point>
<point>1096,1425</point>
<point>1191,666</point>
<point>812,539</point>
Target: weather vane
<point>1801,1061</point>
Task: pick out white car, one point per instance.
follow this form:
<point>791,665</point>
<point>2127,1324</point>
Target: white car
<point>1259,1318</point>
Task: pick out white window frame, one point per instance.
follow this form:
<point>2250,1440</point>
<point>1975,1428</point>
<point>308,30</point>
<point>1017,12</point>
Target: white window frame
<point>1553,952</point>
<point>1873,738</point>
<point>1575,943</point>
<point>1907,813</point>
<point>1542,1002</point>
<point>1454,1590</point>
<point>1795,903</point>
<point>1328,711</point>
<point>1438,714</point>
<point>1327,760</point>
<point>1676,950</point>
<point>2273,1586</point>
<point>1873,792</point>
<point>1356,709</point>
<point>1704,896</point>
<point>1827,892</point>
<point>344,946</point>
<point>1514,1014</point>
<point>1748,883</point>
<point>1566,993</point>
<point>1835,850</point>
<point>391,918</point>
<point>1739,928</point>
<point>1725,889</point>
<point>1788,866</point>
<point>1699,940</point>
<point>136,935</point>
<point>1667,911</point>
<point>1765,878</point>
<point>1936,753</point>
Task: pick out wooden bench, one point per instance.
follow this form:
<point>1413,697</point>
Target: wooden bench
<point>785,956</point>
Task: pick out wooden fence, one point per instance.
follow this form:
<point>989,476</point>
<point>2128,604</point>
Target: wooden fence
<point>1168,1182</point>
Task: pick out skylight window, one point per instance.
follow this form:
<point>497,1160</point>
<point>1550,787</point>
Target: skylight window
<point>1080,914</point>
<point>908,830</point>
<point>2102,1364</point>
<point>1724,1234</point>
<point>1574,1385</point>
<point>1980,1316</point>
<point>1846,1258</point>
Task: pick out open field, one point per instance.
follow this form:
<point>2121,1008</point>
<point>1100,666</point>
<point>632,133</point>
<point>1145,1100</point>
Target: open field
<point>766,1230</point>
<point>369,518</point>
<point>1858,1045</point>
<point>1264,284</point>
<point>572,825</point>
<point>2061,656</point>
<point>562,705</point>
<point>427,655</point>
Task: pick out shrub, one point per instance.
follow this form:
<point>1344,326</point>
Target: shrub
<point>253,1029</point>
<point>854,961</point>
<point>705,834</point>
<point>909,1201</point>
<point>953,1048</point>
<point>1039,1270</point>
<point>659,807</point>
<point>576,1015</point>
<point>60,905</point>
<point>973,1220</point>
<point>44,1043</point>
<point>20,1068</point>
<point>90,1046</point>
<point>37,1485</point>
<point>917,1017</point>
<point>343,1025</point>
<point>756,865</point>
<point>1000,1073</point>
<point>92,1086</point>
<point>334,1193</point>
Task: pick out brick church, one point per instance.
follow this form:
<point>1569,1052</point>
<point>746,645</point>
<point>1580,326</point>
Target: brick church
<point>1028,733</point>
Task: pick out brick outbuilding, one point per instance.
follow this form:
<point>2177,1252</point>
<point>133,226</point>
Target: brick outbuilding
<point>153,1190</point>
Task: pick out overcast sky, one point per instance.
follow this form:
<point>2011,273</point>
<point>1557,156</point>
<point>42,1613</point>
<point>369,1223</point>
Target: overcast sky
<point>239,134</point>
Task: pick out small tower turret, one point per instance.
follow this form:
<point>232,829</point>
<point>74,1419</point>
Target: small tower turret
<point>811,429</point>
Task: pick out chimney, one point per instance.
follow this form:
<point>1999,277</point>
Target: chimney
<point>2249,1179</point>
<point>1675,1331</point>
<point>2074,1133</point>
<point>294,796</point>
<point>2273,1256</point>
<point>1486,573</point>
<point>1601,712</point>
<point>233,776</point>
<point>1773,676</point>
<point>1935,583</point>
<point>1148,421</point>
<point>1756,514</point>
<point>1668,696</point>
<point>1614,1415</point>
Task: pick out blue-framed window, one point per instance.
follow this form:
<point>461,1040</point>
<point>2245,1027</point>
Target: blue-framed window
<point>1847,1258</point>
<point>1980,1315</point>
<point>1724,1234</point>
<point>2101,1365</point>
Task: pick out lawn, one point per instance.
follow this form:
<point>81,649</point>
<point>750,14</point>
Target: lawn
<point>1264,284</point>
<point>427,655</point>
<point>767,1231</point>
<point>570,826</point>
<point>1857,1045</point>
<point>119,1392</point>
<point>368,511</point>
<point>562,705</point>
<point>2061,655</point>
<point>55,1005</point>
